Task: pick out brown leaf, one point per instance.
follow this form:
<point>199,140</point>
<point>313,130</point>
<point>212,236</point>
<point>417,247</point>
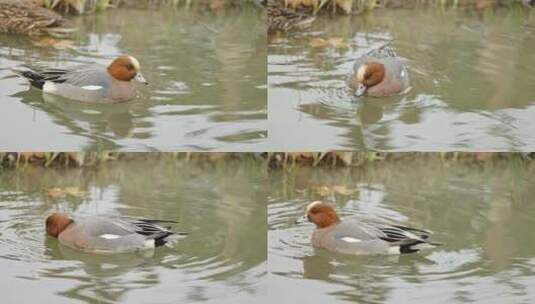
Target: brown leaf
<point>323,191</point>
<point>57,192</point>
<point>334,42</point>
<point>319,43</point>
<point>60,44</point>
<point>343,190</point>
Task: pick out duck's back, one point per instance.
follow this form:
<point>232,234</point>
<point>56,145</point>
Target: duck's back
<point>101,234</point>
<point>89,83</point>
<point>350,237</point>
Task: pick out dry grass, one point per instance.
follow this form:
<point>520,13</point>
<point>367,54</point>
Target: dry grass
<point>84,6</point>
<point>356,159</point>
<point>88,159</point>
<point>274,160</point>
<point>357,6</point>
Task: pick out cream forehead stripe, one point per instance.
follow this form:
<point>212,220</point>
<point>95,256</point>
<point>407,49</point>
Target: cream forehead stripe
<point>312,205</point>
<point>361,71</point>
<point>134,62</point>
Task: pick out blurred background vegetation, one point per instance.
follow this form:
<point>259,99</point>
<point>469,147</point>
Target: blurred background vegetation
<point>84,6</point>
<point>88,159</point>
<point>356,6</point>
<point>274,160</point>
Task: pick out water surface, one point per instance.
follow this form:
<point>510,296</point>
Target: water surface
<point>483,213</point>
<point>218,262</point>
<point>473,75</point>
<point>207,91</point>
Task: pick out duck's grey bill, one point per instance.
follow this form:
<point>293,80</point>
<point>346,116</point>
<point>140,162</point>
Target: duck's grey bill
<point>139,78</point>
<point>360,90</point>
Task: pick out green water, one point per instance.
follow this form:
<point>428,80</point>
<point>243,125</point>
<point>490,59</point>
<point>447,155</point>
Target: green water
<point>207,91</point>
<point>472,78</point>
<point>483,213</point>
<point>222,260</point>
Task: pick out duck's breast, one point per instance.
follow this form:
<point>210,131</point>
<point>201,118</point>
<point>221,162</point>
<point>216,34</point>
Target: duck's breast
<point>122,90</point>
<point>74,237</point>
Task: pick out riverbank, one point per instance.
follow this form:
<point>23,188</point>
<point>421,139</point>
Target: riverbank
<point>89,159</point>
<point>273,159</point>
<point>85,6</point>
<point>313,7</point>
<point>357,159</point>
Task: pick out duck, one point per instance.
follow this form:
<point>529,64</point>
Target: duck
<point>104,234</point>
<point>363,237</point>
<point>379,73</point>
<point>90,82</point>
<point>281,19</point>
<point>27,18</point>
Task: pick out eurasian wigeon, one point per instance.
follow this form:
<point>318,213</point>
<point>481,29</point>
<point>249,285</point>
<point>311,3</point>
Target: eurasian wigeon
<point>359,237</point>
<point>379,73</point>
<point>101,234</point>
<point>90,82</point>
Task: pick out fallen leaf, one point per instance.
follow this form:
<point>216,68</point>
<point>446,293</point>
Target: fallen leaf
<point>338,43</point>
<point>55,193</point>
<point>330,190</point>
<point>343,190</point>
<point>60,44</point>
<point>334,42</point>
<point>64,192</point>
<point>75,191</point>
<point>319,43</point>
<point>323,191</point>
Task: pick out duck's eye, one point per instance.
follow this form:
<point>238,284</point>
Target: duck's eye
<point>314,210</point>
<point>129,66</point>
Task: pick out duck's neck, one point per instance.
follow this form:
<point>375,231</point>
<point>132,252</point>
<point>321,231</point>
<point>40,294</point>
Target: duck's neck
<point>328,221</point>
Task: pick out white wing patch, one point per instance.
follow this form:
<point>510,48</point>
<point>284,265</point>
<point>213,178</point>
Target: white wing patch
<point>149,244</point>
<point>350,240</point>
<point>394,250</point>
<point>92,87</point>
<point>109,236</point>
<point>49,87</point>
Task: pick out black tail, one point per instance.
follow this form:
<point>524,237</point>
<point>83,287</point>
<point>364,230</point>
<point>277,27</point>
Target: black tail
<point>35,79</point>
<point>156,221</point>
<point>160,238</point>
<point>404,249</point>
<point>417,246</point>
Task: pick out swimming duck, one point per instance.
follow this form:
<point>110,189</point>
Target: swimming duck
<point>91,82</point>
<point>351,237</point>
<point>281,19</point>
<point>379,73</point>
<point>101,234</point>
<point>26,18</point>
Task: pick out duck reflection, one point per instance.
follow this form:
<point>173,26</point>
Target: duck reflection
<point>80,117</point>
<point>101,277</point>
